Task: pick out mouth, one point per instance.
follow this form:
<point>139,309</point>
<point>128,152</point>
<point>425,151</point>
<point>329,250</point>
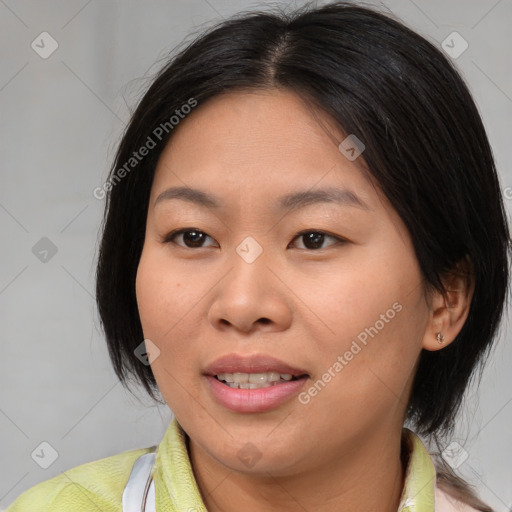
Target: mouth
<point>254,364</point>
<point>239,380</point>
<point>254,383</point>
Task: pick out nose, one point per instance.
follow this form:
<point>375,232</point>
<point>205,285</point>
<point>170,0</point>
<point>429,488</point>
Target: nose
<point>251,297</point>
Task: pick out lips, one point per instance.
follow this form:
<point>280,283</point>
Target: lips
<point>253,400</point>
<point>256,363</point>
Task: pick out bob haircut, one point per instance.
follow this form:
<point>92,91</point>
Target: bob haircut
<point>426,147</point>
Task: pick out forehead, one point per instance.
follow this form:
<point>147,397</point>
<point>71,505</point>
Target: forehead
<point>268,140</point>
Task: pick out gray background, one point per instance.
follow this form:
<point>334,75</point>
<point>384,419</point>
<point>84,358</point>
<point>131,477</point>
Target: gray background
<point>61,119</point>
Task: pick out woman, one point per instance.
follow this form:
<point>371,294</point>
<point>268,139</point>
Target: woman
<point>304,247</point>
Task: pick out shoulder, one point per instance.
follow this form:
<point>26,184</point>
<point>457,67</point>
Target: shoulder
<point>95,485</point>
<point>446,503</point>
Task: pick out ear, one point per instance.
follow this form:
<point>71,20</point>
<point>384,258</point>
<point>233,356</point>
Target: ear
<point>449,310</point>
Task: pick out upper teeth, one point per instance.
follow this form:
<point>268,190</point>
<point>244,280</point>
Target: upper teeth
<point>253,380</point>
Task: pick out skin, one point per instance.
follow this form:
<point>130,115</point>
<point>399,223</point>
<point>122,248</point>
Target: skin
<point>198,303</point>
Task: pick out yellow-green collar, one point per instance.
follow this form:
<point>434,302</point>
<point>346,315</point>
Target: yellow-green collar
<point>176,487</point>
<point>420,476</point>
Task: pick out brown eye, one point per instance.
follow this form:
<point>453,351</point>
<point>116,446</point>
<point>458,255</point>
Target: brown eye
<point>192,238</point>
<point>314,240</point>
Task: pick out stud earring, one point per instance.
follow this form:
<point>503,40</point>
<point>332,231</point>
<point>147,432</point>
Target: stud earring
<point>440,337</point>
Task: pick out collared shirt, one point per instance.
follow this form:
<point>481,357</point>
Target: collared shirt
<point>99,485</point>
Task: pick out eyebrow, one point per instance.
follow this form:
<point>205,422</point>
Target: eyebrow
<point>292,201</point>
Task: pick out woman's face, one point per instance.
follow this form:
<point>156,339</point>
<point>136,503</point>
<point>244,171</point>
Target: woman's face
<point>341,308</point>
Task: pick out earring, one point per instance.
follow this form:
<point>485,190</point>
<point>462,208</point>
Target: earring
<point>439,337</point>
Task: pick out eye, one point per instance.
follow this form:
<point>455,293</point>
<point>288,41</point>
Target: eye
<point>192,237</point>
<point>313,240</point>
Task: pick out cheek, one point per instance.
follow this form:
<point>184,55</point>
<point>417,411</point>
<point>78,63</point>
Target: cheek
<point>376,315</point>
<point>161,295</point>
<point>148,289</point>
<point>164,314</point>
<point>363,379</point>
<point>358,298</point>
<point>160,304</point>
<point>170,309</point>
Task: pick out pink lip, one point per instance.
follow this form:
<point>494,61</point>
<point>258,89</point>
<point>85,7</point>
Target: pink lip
<point>256,363</point>
<point>253,400</point>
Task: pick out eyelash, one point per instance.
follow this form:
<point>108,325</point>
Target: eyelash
<point>173,234</point>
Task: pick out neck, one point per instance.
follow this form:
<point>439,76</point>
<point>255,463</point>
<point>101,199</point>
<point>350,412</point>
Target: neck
<point>370,477</point>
